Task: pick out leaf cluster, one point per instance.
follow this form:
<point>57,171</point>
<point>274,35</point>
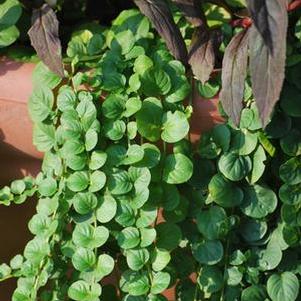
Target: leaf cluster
<point>122,192</point>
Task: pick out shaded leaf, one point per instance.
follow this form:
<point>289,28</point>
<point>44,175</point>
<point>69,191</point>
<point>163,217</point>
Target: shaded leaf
<point>234,74</point>
<point>265,15</point>
<point>191,10</point>
<point>266,66</point>
<point>201,55</point>
<point>45,38</point>
<point>160,15</point>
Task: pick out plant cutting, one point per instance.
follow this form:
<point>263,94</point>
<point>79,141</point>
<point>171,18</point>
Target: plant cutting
<point>122,189</point>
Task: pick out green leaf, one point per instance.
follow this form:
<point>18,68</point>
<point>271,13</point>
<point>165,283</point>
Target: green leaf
<point>160,259</point>
<point>290,194</point>
<point>134,154</point>
<point>213,223</point>
<point>36,250</point>
<point>137,258</point>
<point>114,130</point>
<point>84,235</point>
<point>78,181</point>
<point>175,126</point>
<point>149,119</point>
<point>131,130</point>
<point>283,286</point>
<point>44,136</point>
<point>114,106</point>
<point>8,35</point>
<point>270,258</point>
<point>97,160</point>
<point>171,197</point>
<point>253,230</point>
<point>124,40</point>
<point>47,206</point>
<point>128,238</point>
<point>148,236</point>
<point>151,156</point>
<point>83,291</point>
<point>16,262</point>
<point>40,104</point>
<point>47,187</point>
<point>86,110</point>
<point>142,63</point>
<point>168,236</point>
<point>132,106</point>
<point>104,267</point>
<point>140,176</point>
<point>234,167</point>
<point>18,186</point>
<point>97,180</point>
<point>106,209</point>
<point>91,139</point>
<point>76,162</point>
<point>66,99</point>
<point>84,202</point>
<point>10,12</point>
<point>42,225</point>
<point>254,293</point>
<point>290,171</point>
<point>234,276</point>
<point>134,83</point>
<point>72,146</point>
<point>83,259</point>
<point>224,192</point>
<point>208,252</point>
<point>210,279</point>
<point>244,142</point>
<point>258,201</point>
<point>291,143</point>
<point>179,213</point>
<point>177,169</point>
<point>43,77</point>
<point>160,282</point>
<point>155,82</point>
<point>139,284</point>
<point>5,271</point>
<point>119,182</point>
<point>221,136</point>
<point>125,215</point>
<point>147,216</point>
<point>95,44</point>
<point>258,162</point>
<point>209,89</point>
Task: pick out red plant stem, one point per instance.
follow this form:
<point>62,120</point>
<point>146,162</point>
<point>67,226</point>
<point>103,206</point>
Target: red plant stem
<point>247,22</point>
<point>294,5</point>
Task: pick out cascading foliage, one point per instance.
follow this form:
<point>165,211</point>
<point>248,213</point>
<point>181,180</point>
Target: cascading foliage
<point>123,193</point>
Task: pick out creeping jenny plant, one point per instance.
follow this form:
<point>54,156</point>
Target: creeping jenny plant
<point>230,210</point>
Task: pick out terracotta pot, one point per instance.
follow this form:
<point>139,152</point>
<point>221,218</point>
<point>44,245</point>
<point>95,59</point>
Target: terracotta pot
<point>18,156</point>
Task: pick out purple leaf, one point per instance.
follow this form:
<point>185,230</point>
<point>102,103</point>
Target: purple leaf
<point>202,54</point>
<point>161,17</point>
<point>267,67</point>
<point>234,72</point>
<point>268,16</point>
<point>192,11</point>
<point>45,38</point>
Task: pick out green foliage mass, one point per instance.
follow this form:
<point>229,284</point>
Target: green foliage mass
<point>113,168</point>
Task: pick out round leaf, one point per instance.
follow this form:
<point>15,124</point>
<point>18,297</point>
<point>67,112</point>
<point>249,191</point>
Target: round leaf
<point>177,169</point>
<point>283,286</point>
<point>175,127</point>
